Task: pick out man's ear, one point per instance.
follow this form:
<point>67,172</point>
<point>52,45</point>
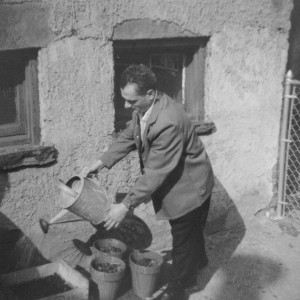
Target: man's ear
<point>151,94</point>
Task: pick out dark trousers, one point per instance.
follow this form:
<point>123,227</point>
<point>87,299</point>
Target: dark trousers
<point>188,253</point>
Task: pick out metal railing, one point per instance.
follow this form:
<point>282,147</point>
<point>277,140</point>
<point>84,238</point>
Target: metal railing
<point>288,202</point>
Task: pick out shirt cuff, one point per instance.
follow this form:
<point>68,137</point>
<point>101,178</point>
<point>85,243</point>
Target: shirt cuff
<point>127,202</point>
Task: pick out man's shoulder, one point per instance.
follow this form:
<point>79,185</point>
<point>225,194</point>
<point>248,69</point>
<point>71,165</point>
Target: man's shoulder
<point>166,98</point>
<point>169,114</point>
<point>170,108</point>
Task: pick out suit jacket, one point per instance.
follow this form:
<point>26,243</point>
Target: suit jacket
<point>176,170</point>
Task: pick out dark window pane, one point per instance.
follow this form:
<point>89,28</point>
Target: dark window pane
<point>8,111</point>
<point>12,74</point>
<point>168,70</point>
<point>18,94</point>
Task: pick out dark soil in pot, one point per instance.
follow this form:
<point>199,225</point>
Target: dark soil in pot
<point>110,250</point>
<point>108,268</point>
<point>146,262</point>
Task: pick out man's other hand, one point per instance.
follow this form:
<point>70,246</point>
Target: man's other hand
<point>115,215</point>
<point>92,168</point>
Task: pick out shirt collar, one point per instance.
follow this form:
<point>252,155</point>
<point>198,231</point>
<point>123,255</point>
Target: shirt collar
<point>147,114</point>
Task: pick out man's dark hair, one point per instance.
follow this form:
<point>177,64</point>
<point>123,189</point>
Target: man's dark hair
<point>140,75</point>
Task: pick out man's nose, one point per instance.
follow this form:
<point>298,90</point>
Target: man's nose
<point>127,105</point>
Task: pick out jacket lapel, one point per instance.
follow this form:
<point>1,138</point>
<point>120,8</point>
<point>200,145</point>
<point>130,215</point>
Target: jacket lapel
<point>137,131</point>
<point>158,105</point>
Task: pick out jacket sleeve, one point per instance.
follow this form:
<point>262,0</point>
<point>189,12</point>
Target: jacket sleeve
<point>119,149</point>
<point>164,155</point>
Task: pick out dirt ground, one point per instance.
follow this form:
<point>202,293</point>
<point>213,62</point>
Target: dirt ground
<point>258,261</point>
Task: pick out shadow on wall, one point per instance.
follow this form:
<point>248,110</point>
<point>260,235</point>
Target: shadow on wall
<point>223,214</point>
<point>224,231</point>
<point>235,276</point>
<point>16,249</point>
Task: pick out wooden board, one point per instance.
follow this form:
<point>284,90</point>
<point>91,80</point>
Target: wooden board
<point>72,277</point>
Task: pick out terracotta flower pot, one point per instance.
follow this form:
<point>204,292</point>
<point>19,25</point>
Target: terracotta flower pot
<point>145,271</point>
<point>108,281</point>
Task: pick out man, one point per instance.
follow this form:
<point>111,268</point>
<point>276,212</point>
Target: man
<point>176,173</point>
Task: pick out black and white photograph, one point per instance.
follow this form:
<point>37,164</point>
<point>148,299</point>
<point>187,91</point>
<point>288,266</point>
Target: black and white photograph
<point>149,150</point>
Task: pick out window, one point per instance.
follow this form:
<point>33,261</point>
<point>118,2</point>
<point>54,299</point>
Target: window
<point>19,105</point>
<point>178,65</point>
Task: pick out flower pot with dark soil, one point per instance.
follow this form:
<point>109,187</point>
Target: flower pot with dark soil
<point>107,272</point>
<point>109,246</point>
<point>145,269</point>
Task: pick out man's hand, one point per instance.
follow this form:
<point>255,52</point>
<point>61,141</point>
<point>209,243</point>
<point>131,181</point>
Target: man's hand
<point>115,215</point>
<point>91,168</point>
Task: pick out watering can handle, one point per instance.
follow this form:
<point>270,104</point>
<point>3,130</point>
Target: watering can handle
<point>111,196</point>
<point>66,189</point>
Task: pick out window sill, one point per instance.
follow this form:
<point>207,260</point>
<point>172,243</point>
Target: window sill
<point>11,158</point>
<point>204,128</point>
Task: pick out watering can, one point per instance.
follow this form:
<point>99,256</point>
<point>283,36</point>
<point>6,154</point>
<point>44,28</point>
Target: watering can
<point>82,197</point>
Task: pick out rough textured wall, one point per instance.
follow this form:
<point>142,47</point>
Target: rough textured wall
<point>24,25</point>
<point>244,99</point>
<point>245,66</point>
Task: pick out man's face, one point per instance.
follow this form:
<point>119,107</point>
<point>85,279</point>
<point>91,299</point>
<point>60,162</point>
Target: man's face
<point>132,100</point>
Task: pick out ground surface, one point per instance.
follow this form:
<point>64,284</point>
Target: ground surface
<point>263,264</point>
<point>258,262</point>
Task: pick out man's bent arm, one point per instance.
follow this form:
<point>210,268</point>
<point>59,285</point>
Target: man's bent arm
<point>164,156</point>
<point>120,148</point>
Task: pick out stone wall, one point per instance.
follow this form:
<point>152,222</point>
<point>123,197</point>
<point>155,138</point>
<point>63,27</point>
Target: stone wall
<point>245,65</point>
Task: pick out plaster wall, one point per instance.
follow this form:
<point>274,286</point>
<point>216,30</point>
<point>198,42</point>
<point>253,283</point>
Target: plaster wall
<point>245,65</point>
